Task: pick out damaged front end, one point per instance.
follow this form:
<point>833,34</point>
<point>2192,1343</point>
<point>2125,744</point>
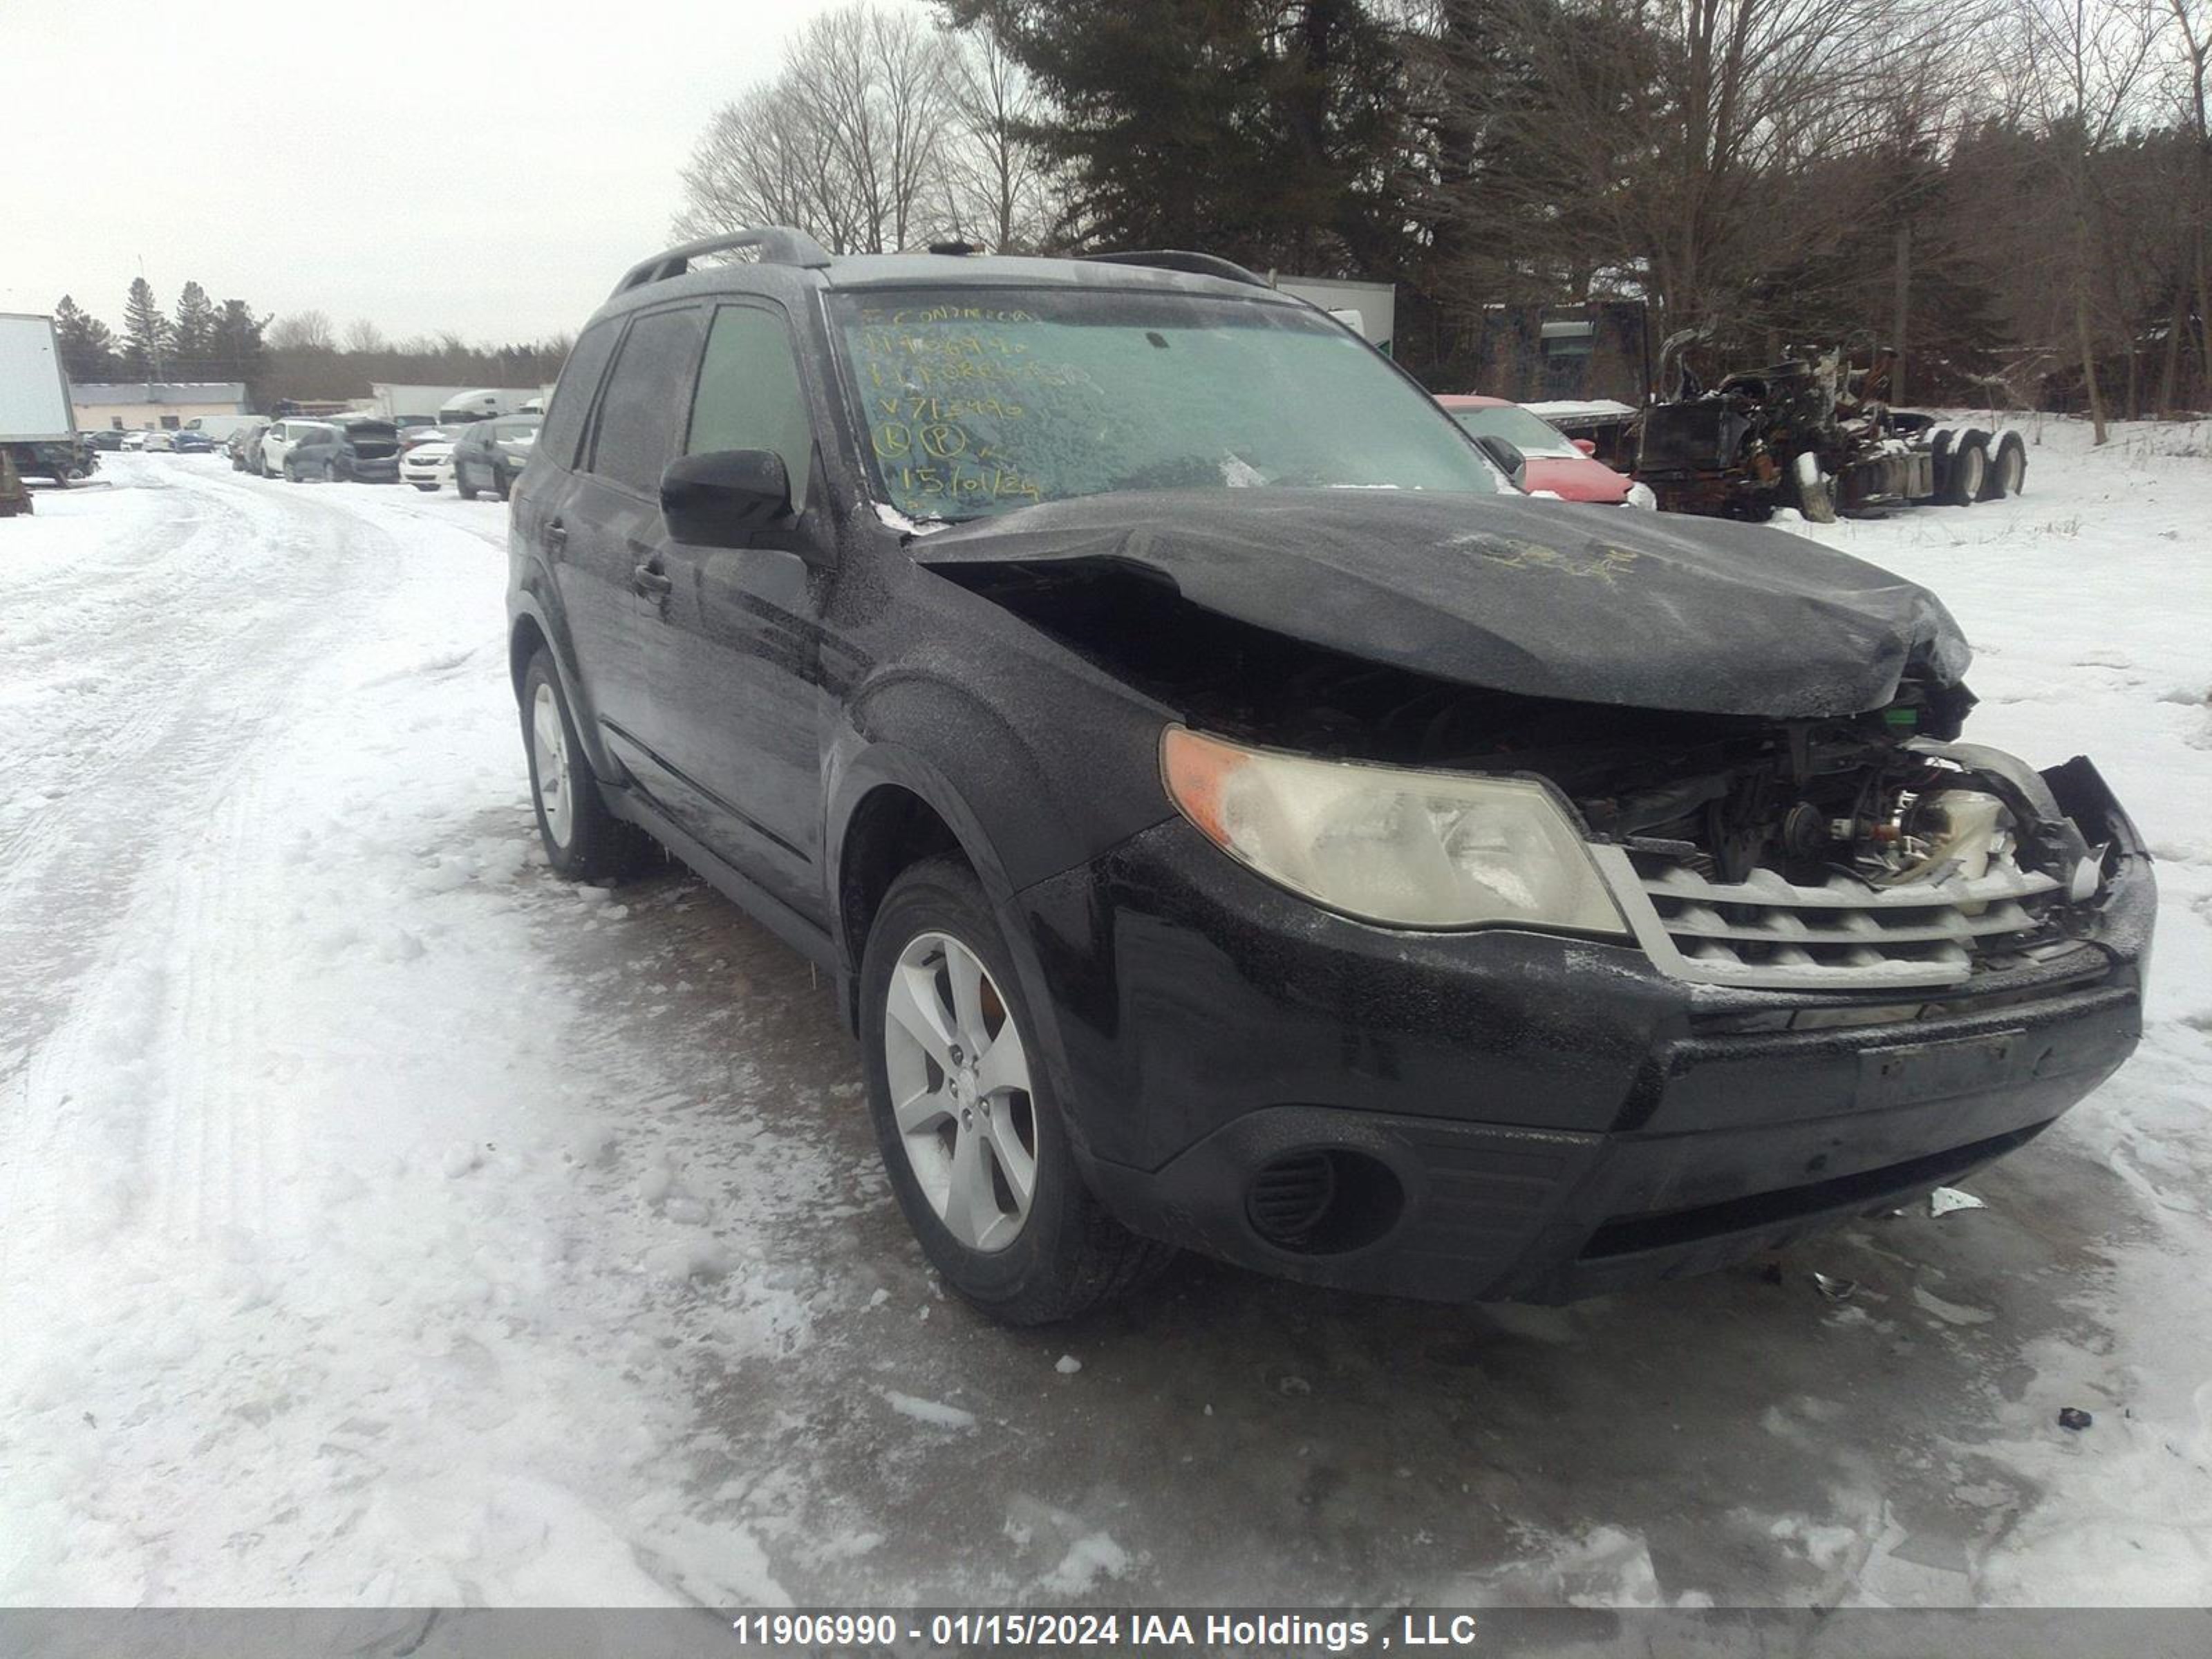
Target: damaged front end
<point>1535,997</point>
<point>1863,861</point>
<point>1860,853</point>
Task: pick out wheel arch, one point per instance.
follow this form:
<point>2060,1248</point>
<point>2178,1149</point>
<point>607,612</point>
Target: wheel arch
<point>891,804</point>
<point>530,628</point>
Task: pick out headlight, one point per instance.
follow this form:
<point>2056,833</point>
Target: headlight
<point>1409,849</point>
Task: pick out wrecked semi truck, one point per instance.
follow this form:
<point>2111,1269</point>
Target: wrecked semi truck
<point>1813,434</point>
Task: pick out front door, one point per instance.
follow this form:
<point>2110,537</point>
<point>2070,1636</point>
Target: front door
<point>734,643</point>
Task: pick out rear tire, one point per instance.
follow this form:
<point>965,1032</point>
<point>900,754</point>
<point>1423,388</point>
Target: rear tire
<point>501,485</point>
<point>1965,468</point>
<point>1058,1253</point>
<point>583,841</point>
<point>2008,468</point>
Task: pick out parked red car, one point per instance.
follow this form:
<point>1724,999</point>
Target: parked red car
<point>1556,463</point>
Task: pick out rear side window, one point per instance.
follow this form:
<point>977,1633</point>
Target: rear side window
<point>642,417</point>
<point>750,396</point>
<point>571,397</point>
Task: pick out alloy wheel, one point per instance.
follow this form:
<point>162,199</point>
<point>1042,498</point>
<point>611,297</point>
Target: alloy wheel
<point>959,1078</point>
<point>549,742</point>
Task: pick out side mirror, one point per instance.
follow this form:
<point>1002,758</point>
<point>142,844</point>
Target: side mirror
<point>1587,446</point>
<point>1507,459</point>
<point>720,498</point>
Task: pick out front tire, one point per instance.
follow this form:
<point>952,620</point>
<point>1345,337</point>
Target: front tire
<point>583,841</point>
<point>502,485</point>
<point>467,490</point>
<point>972,1135</point>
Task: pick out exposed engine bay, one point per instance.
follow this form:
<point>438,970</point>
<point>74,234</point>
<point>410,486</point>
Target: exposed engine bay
<point>1862,851</point>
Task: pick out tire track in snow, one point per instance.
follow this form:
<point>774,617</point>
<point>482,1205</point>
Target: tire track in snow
<point>146,758</point>
<point>134,1064</point>
<point>206,1159</point>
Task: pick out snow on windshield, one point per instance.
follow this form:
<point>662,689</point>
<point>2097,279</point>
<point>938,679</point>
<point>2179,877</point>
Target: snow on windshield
<point>972,407</point>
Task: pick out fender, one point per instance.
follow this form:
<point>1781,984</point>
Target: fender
<point>537,596</point>
<point>1046,818</point>
<point>1035,840</point>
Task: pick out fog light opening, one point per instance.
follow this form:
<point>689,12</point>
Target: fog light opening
<point>1323,1201</point>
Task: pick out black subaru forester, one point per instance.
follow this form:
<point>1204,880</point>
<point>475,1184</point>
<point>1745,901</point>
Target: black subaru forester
<point>1236,817</point>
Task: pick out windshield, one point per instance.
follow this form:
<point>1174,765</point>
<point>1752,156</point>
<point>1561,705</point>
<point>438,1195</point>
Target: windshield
<point>977,401</point>
<point>1527,433</point>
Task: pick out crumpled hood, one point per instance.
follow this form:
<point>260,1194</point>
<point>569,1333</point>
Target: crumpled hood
<point>1545,599</point>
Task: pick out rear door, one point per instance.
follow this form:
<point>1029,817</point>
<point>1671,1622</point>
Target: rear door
<point>734,644</point>
<point>609,524</point>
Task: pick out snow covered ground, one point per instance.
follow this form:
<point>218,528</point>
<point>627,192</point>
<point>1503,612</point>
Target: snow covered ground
<point>384,1222</point>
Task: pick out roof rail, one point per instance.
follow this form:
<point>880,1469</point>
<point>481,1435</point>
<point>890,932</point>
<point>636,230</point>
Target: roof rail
<point>779,245</point>
<point>1195,264</point>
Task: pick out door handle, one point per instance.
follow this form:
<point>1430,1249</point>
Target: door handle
<point>646,580</point>
<point>556,536</point>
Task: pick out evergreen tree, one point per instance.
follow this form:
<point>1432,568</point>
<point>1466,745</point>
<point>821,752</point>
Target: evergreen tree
<point>87,345</point>
<point>237,348</point>
<point>1269,131</point>
<point>192,336</point>
<point>146,333</point>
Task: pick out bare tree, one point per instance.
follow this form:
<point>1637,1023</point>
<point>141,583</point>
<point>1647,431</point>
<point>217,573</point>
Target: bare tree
<point>302,330</point>
<point>997,183</point>
<point>2085,68</point>
<point>2192,22</point>
<point>1668,134</point>
<point>847,143</point>
<point>363,335</point>
<point>767,159</point>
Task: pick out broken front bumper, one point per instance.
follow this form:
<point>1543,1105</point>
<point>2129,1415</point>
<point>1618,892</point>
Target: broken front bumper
<point>1512,1115</point>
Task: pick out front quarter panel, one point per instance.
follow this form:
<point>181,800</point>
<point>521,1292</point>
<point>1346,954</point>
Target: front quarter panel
<point>1036,760</point>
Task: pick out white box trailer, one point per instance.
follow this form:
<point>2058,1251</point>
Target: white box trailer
<point>35,393</point>
<point>1370,309</point>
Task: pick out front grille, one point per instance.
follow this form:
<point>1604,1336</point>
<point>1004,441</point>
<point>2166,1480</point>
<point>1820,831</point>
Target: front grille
<point>1772,934</point>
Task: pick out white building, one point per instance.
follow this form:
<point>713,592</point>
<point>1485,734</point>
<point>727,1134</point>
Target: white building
<point>131,405</point>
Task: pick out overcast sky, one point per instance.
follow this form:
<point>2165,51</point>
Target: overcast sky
<point>481,166</point>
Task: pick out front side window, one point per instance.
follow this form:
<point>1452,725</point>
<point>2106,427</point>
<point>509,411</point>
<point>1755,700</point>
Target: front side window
<point>980,401</point>
<point>750,396</point>
<point>642,414</point>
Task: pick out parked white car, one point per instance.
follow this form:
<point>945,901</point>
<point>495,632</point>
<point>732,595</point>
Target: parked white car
<point>134,441</point>
<point>160,440</point>
<point>282,438</point>
<point>428,464</point>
